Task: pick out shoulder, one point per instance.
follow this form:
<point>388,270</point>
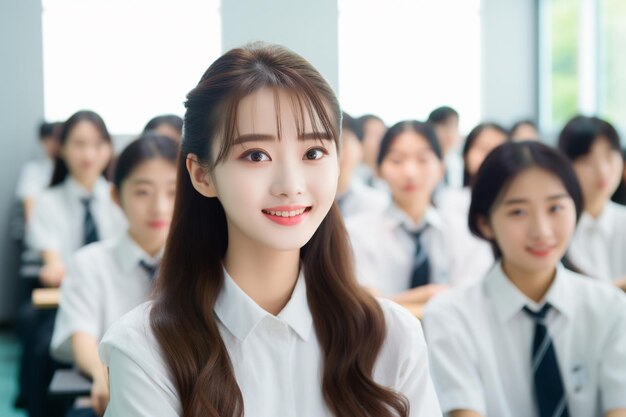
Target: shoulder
<point>456,302</point>
<point>50,195</point>
<point>94,252</point>
<point>404,332</point>
<point>366,223</point>
<point>594,296</point>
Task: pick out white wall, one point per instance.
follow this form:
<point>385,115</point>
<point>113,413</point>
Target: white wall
<point>21,109</point>
<point>307,27</point>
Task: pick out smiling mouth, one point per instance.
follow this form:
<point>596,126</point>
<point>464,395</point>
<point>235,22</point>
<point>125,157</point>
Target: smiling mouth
<point>540,251</point>
<point>286,213</point>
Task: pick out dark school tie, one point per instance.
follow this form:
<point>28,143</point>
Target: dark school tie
<point>90,230</point>
<point>547,376</point>
<point>420,275</point>
<point>151,270</point>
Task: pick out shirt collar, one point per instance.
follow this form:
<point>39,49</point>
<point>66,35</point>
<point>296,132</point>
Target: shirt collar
<point>241,314</point>
<point>128,254</point>
<point>101,189</point>
<point>508,300</point>
<point>431,218</point>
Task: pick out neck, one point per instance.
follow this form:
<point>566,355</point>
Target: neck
<point>416,209</point>
<point>88,183</point>
<point>150,247</point>
<point>595,207</point>
<point>533,284</point>
<point>268,276</point>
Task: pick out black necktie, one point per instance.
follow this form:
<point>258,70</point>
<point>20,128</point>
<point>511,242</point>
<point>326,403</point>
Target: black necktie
<point>547,376</point>
<point>151,270</point>
<point>90,230</point>
<point>421,265</point>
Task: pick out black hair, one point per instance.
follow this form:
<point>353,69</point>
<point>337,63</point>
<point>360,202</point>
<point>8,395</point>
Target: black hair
<point>620,194</point>
<point>47,129</point>
<point>579,134</point>
<point>442,115</point>
<point>425,130</point>
<point>505,163</point>
<point>166,119</point>
<point>148,146</point>
<point>60,167</point>
<point>469,143</point>
<point>353,125</point>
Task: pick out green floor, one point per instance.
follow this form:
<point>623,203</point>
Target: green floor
<point>9,356</point>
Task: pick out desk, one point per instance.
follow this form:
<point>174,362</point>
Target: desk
<point>46,298</point>
<point>415,308</point>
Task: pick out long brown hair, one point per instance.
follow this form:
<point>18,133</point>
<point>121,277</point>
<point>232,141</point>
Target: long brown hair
<point>349,323</point>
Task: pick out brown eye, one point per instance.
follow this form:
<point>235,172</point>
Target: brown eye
<point>315,153</point>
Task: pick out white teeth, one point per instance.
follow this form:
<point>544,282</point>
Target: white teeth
<point>285,213</point>
<point>292,213</point>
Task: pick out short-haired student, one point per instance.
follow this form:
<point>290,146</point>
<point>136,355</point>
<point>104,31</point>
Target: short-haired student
<point>532,338</point>
<point>109,278</point>
<point>257,309</point>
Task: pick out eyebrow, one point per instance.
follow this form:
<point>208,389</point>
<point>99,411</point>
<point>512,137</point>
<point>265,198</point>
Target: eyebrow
<point>260,137</point>
<point>524,200</point>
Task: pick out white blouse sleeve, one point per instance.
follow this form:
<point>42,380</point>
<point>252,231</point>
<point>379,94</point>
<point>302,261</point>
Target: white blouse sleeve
<point>40,232</point>
<point>612,369</point>
<point>452,359</point>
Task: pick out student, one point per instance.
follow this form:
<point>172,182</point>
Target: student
<point>77,209</point>
<point>524,130</point>
<point>532,338</point>
<point>35,175</point>
<point>353,196</point>
<point>256,307</point>
<point>445,120</point>
<point>373,129</point>
<point>405,251</point>
<point>110,278</point>
<point>593,146</point>
<point>168,125</point>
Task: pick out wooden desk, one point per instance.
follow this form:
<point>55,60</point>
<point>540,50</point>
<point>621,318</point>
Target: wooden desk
<point>415,308</point>
<point>45,298</point>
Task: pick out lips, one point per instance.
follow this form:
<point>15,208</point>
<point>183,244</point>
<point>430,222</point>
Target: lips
<point>540,252</point>
<point>286,215</point>
<point>158,224</point>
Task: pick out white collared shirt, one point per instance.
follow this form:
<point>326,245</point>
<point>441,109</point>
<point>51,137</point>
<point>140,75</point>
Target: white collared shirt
<point>599,245</point>
<point>480,345</point>
<point>276,360</point>
<point>359,198</point>
<point>34,177</point>
<point>384,250</point>
<point>58,217</point>
<point>454,170</point>
<point>104,282</point>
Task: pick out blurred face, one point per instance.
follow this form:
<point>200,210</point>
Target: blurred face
<point>373,132</point>
<point>599,171</point>
<point>51,146</point>
<point>525,132</point>
<point>147,199</point>
<point>351,155</point>
<point>487,141</point>
<point>86,152</point>
<point>448,133</point>
<point>275,192</point>
<point>532,222</point>
<point>412,169</point>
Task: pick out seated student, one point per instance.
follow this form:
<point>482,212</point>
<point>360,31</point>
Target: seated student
<point>109,278</point>
<point>445,120</point>
<point>593,146</point>
<point>524,130</point>
<point>353,196</point>
<point>76,210</point>
<point>256,310</point>
<point>407,252</point>
<point>373,129</point>
<point>168,125</point>
<point>620,194</point>
<point>532,338</point>
<point>36,175</point>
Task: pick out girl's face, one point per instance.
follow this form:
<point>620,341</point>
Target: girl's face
<point>532,222</point>
<point>599,171</point>
<point>85,151</point>
<point>147,199</point>
<point>411,168</point>
<point>275,192</point>
<point>487,141</point>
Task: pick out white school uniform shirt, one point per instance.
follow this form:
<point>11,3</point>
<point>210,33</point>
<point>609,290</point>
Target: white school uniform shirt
<point>34,177</point>
<point>105,281</point>
<point>276,360</point>
<point>599,245</point>
<point>480,345</point>
<point>384,250</point>
<point>454,170</point>
<point>359,198</point>
<point>58,217</point>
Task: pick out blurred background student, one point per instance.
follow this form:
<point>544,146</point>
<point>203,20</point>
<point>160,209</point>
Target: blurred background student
<point>524,130</point>
<point>445,120</point>
<point>169,125</point>
<point>373,129</point>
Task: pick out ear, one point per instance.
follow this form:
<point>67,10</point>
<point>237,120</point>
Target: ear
<point>199,176</point>
<point>115,196</point>
<point>485,228</point>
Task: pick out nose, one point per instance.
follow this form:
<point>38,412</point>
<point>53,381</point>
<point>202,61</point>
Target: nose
<point>540,227</point>
<point>288,178</point>
<point>161,203</point>
<point>411,170</point>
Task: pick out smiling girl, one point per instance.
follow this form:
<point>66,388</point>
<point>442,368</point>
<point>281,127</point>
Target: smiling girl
<point>257,309</point>
<point>532,338</point>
